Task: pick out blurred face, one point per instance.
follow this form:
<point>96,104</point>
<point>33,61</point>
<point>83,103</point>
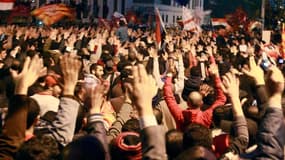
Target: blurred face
<point>3,54</point>
<point>99,71</point>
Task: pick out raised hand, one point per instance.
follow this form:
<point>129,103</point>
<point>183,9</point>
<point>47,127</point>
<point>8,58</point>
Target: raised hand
<point>214,70</point>
<point>254,72</point>
<point>275,82</point>
<point>205,89</point>
<point>32,70</point>
<point>231,85</point>
<point>70,67</point>
<point>98,96</point>
<point>142,90</point>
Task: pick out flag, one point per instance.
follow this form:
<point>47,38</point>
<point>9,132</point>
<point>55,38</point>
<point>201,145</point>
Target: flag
<point>189,21</point>
<point>220,22</point>
<point>6,4</point>
<point>283,41</point>
<point>159,27</point>
<point>53,13</point>
<point>199,15</point>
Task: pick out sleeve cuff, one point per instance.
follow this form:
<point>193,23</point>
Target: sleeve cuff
<point>147,121</point>
<point>95,117</point>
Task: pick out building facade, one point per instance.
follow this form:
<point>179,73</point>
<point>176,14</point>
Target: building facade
<point>170,10</point>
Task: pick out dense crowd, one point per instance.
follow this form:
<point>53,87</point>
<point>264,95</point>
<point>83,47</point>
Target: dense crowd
<point>86,92</point>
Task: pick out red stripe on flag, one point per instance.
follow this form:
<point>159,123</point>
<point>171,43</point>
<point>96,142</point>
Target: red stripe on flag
<point>188,21</point>
<point>157,28</point>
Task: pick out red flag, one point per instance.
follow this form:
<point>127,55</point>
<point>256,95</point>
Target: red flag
<point>53,13</point>
<point>283,40</point>
<point>159,27</point>
<point>6,4</point>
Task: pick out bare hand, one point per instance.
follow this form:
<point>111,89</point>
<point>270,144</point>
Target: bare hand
<point>70,67</point>
<point>231,85</point>
<point>98,96</point>
<point>254,72</point>
<point>214,70</point>
<point>142,90</point>
<point>32,70</point>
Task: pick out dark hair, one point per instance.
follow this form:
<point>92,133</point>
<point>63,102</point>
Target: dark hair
<point>94,67</point>
<point>39,148</point>
<point>196,153</point>
<point>174,143</point>
<point>132,125</point>
<point>33,111</point>
<point>86,147</point>
<point>197,135</point>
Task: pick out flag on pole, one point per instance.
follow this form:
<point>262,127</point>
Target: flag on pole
<point>159,27</point>
<point>6,4</point>
<point>53,13</point>
<point>283,41</point>
<point>189,21</point>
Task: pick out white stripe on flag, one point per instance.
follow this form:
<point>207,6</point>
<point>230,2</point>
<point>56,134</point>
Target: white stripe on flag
<point>6,5</point>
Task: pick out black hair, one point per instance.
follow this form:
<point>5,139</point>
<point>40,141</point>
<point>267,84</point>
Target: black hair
<point>196,153</point>
<point>197,135</point>
<point>86,147</point>
<point>39,148</point>
<point>174,143</point>
<point>132,125</point>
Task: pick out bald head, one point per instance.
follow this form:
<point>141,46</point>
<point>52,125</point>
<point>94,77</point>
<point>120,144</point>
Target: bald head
<point>195,99</point>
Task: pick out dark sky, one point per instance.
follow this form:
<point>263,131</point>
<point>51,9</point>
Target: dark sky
<point>222,7</point>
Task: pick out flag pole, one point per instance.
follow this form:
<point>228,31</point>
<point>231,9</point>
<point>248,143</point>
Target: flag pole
<point>263,14</point>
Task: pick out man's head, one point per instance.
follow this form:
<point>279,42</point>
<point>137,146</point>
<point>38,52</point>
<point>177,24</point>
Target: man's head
<point>174,143</point>
<point>97,70</point>
<point>39,148</point>
<point>86,147</point>
<point>195,99</point>
<point>196,153</point>
<point>197,135</point>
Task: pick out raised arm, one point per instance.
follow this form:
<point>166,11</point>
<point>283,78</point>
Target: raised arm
<point>179,84</point>
<point>143,90</point>
<point>220,96</point>
<point>64,124</point>
<point>13,133</point>
<point>95,119</point>
<point>256,73</point>
<point>174,108</point>
<point>270,138</point>
<point>241,139</point>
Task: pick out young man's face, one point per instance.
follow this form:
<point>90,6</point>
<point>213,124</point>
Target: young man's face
<point>99,71</point>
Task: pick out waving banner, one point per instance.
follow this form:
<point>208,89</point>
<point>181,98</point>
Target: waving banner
<point>53,13</point>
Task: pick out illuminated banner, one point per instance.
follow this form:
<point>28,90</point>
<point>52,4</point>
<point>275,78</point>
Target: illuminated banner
<point>53,13</point>
<point>6,4</point>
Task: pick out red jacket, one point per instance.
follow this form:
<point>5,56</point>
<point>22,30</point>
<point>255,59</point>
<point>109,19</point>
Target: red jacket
<point>185,117</point>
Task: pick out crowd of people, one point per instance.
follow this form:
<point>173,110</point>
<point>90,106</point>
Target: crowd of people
<point>86,92</point>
